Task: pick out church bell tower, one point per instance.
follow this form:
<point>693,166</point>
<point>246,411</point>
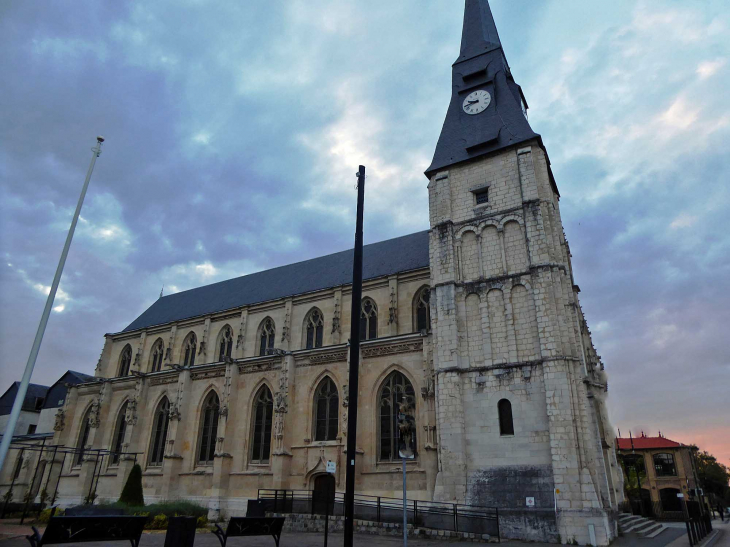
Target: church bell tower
<point>520,390</point>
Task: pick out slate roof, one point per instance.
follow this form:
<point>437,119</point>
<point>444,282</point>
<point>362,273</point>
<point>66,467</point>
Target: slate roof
<point>646,443</point>
<point>57,392</point>
<point>401,254</point>
<point>8,398</point>
<point>481,65</point>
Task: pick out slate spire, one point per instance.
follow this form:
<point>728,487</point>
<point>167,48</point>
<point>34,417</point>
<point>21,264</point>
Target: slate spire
<point>480,32</point>
<point>481,66</point>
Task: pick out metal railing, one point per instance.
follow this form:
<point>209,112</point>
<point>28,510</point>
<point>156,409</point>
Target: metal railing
<point>380,509</point>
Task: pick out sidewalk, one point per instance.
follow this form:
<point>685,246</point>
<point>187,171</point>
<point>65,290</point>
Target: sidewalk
<point>13,535</point>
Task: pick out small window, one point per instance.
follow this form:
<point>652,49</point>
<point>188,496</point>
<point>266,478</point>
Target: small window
<point>39,403</point>
<point>189,350</point>
<point>125,361</point>
<point>158,353</point>
<point>31,429</point>
<point>506,425</point>
<point>225,344</point>
<point>664,465</point>
<point>423,310</point>
<point>368,320</point>
<point>266,337</point>
<point>482,196</point>
<point>314,329</point>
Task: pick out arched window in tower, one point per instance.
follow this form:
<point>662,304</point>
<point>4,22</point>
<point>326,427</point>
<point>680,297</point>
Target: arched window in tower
<point>208,428</point>
<point>188,352</point>
<point>84,432</point>
<point>326,411</point>
<point>314,325</point>
<point>266,336</point>
<point>159,432</point>
<point>263,412</point>
<point>225,343</point>
<point>368,320</point>
<point>158,354</point>
<point>396,390</point>
<point>506,426</point>
<point>422,310</point>
<point>125,361</point>
<point>120,429</point>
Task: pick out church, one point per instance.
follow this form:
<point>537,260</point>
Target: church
<point>241,385</point>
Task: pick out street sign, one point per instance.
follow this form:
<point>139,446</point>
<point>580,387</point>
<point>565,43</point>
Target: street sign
<point>331,467</point>
<point>530,502</point>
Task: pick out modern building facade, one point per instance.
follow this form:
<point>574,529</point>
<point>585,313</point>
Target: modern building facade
<point>241,385</point>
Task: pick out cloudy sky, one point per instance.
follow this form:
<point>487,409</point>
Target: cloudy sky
<point>234,130</point>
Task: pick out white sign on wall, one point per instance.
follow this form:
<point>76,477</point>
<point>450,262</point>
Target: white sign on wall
<point>331,467</point>
<point>530,502</point>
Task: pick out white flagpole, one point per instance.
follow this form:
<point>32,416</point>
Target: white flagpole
<point>23,388</point>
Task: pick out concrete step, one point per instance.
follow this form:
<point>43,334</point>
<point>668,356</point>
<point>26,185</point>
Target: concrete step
<point>629,524</point>
<point>653,531</point>
<point>643,526</point>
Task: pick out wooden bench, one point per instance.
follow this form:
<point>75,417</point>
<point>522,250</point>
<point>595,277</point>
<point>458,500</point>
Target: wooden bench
<point>250,526</point>
<point>85,529</point>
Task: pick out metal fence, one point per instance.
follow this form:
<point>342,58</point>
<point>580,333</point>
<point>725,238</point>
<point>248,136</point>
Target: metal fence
<point>425,514</point>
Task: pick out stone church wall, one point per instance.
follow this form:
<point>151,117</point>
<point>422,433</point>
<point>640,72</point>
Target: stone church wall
<point>296,457</point>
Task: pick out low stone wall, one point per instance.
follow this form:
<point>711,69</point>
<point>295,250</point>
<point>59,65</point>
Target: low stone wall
<point>315,523</point>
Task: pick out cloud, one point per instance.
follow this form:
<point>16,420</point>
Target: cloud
<point>707,69</point>
<point>233,136</point>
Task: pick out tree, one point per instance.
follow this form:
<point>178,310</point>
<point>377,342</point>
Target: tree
<point>634,474</point>
<point>132,492</point>
<point>713,475</point>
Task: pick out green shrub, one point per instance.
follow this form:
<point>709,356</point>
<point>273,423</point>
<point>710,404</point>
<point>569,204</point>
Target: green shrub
<point>158,522</point>
<point>132,493</point>
<point>202,521</point>
<point>46,515</point>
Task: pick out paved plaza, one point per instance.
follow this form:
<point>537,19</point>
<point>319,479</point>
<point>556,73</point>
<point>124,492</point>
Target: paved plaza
<point>13,535</point>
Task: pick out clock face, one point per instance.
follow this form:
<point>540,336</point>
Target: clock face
<point>476,102</point>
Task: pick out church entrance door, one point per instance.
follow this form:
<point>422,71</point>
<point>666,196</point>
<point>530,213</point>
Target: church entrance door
<point>324,492</point>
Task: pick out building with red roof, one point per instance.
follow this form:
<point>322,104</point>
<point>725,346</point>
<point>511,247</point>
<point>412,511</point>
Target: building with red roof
<point>667,469</point>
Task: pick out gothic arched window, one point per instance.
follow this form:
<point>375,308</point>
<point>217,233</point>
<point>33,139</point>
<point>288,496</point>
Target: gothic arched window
<point>125,361</point>
<point>326,409</point>
<point>506,425</point>
<point>263,412</point>
<point>83,438</point>
<point>159,432</point>
<point>158,354</point>
<point>120,429</point>
<point>314,324</point>
<point>208,428</point>
<point>225,343</point>
<point>267,333</point>
<point>188,352</point>
<point>368,320</point>
<point>422,310</point>
<point>394,390</point>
